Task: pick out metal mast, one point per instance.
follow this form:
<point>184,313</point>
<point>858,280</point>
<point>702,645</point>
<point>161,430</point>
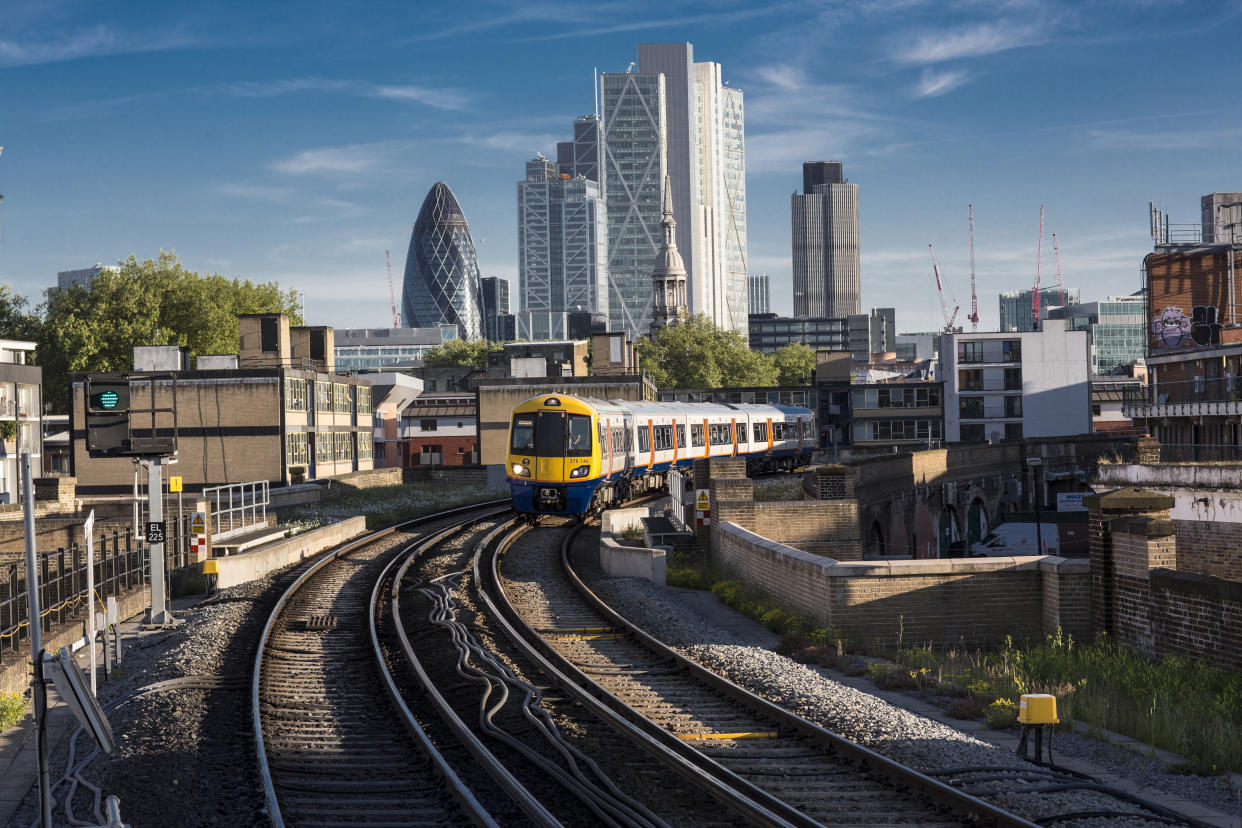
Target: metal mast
<point>392,293</point>
<point>974,297</point>
<point>1039,272</point>
<point>949,316</point>
<point>1056,256</point>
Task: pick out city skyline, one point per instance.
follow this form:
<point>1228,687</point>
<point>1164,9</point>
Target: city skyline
<point>298,153</point>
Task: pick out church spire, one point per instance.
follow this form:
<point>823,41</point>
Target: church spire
<point>668,274</point>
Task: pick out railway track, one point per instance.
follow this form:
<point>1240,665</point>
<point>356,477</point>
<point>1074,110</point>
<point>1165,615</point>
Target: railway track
<point>330,750</point>
<point>770,766</point>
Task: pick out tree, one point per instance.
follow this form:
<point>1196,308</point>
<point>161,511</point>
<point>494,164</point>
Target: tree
<point>147,303</point>
<point>460,353</point>
<point>794,364</point>
<point>697,354</point>
<point>16,319</point>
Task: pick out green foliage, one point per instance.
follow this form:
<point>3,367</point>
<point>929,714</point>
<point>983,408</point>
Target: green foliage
<point>631,533</point>
<point>384,505</point>
<point>970,707</point>
<point>794,364</point>
<point>460,353</point>
<point>8,429</point>
<point>1001,714</point>
<point>12,709</point>
<point>16,319</point>
<point>146,303</point>
<point>697,354</point>
<point>787,489</point>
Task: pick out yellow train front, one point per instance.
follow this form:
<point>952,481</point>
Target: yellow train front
<point>554,456</point>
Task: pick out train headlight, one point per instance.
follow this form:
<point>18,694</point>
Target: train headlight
<point>520,471</point>
<point>581,471</point>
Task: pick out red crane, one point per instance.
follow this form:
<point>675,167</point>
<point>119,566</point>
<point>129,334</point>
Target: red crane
<point>1039,272</point>
<point>392,293</point>
<point>974,298</point>
<point>949,317</point>
<point>1056,257</point>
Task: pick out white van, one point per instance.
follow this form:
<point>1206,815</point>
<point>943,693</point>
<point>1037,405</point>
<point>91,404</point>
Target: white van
<point>1018,539</point>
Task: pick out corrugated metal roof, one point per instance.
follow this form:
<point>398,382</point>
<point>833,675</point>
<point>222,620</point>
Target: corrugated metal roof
<point>416,411</point>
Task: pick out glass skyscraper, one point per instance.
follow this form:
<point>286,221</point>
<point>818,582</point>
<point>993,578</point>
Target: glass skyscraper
<point>824,220</point>
<point>1017,306</point>
<point>441,285</point>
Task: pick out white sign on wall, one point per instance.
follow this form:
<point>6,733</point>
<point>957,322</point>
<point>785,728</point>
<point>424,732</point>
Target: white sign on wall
<point>1071,501</point>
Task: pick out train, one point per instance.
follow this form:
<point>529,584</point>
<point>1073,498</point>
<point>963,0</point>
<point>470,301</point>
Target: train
<point>571,455</point>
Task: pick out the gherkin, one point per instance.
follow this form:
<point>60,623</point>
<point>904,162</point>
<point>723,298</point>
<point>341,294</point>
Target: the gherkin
<point>442,284</point>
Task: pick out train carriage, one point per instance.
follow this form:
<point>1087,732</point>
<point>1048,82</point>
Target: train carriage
<point>574,455</point>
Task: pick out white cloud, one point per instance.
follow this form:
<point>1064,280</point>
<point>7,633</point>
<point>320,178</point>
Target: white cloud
<point>974,41</point>
<point>330,208</point>
<point>783,76</point>
<point>274,88</point>
<point>453,99</point>
<point>351,160</point>
<point>934,84</point>
<point>89,42</point>
<point>1180,139</point>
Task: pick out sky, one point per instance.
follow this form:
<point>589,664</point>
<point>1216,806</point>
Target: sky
<point>295,142</point>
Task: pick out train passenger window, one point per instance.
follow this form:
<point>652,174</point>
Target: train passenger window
<point>761,432</point>
<point>523,434</point>
<point>681,436</point>
<point>579,436</point>
<point>603,437</point>
<point>696,436</point>
<point>642,440</point>
<point>657,438</point>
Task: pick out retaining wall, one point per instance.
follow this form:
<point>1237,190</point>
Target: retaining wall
<point>255,563</point>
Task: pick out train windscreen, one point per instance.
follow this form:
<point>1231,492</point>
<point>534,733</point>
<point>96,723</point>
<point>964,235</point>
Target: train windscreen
<point>579,436</point>
<point>523,434</point>
<point>547,434</point>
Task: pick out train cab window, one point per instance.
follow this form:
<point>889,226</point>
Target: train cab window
<point>523,434</point>
<point>681,436</point>
<point>579,436</point>
<point>696,436</point>
<point>642,440</point>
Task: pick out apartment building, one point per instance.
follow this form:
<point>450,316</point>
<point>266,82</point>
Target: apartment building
<point>21,406</point>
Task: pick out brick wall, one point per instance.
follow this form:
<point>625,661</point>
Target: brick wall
<point>1209,548</point>
<point>975,602</point>
<point>1197,615</point>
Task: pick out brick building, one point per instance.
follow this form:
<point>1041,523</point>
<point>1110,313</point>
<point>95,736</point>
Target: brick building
<point>439,430</point>
<point>1193,403</point>
<point>282,409</point>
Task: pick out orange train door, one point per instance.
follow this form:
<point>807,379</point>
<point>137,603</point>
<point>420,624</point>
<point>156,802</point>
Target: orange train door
<point>707,443</point>
<point>650,445</point>
<point>608,447</point>
<point>733,431</point>
<point>674,421</point>
<point>769,435</point>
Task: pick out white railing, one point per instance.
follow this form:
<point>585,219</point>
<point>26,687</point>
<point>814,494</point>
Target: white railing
<point>237,507</point>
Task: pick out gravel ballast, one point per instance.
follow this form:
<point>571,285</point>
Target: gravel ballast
<point>915,740</point>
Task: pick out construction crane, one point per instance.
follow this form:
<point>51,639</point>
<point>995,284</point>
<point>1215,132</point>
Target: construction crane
<point>974,297</point>
<point>949,316</point>
<point>392,293</point>
<point>1039,272</point>
<point>1056,257</point>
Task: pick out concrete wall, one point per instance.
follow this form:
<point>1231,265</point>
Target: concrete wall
<point>238,569</point>
<point>625,559</point>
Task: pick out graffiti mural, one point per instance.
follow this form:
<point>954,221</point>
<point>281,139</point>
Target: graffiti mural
<point>1171,328</point>
<point>1174,329</point>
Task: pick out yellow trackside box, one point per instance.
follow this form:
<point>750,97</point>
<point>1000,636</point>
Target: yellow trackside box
<point>1037,708</point>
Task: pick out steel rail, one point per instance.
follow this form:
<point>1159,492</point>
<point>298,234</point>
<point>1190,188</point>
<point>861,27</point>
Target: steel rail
<point>756,806</point>
<point>494,767</point>
<point>265,771</point>
<point>902,774</point>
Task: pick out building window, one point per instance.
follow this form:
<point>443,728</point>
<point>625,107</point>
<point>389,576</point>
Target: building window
<point>297,448</point>
<point>1011,350</point>
<point>970,379</point>
<point>970,408</point>
<point>295,394</point>
<point>323,447</point>
<point>1013,431</point>
<point>973,433</point>
<point>1013,406</point>
<point>366,449</point>
<point>1095,410</point>
<point>970,351</point>
<point>340,398</point>
<point>426,425</point>
<point>323,396</point>
<point>364,399</point>
<point>1013,379</point>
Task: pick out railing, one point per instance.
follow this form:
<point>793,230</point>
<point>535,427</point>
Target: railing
<point>237,507</point>
<point>679,489</point>
<point>1210,453</point>
<point>120,566</point>
<point>1199,396</point>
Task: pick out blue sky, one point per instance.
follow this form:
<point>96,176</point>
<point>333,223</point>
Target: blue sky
<point>295,141</point>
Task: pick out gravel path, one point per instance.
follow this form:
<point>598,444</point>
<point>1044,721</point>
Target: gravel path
<point>912,739</point>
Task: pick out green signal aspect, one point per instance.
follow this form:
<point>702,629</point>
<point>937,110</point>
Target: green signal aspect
<point>108,400</point>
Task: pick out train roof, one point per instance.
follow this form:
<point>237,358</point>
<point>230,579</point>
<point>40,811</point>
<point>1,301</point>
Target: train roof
<point>652,408</point>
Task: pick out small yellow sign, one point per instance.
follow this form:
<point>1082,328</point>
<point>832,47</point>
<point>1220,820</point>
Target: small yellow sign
<point>174,484</point>
<point>702,502</point>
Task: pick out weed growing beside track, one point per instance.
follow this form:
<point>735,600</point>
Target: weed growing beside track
<point>384,505</point>
<point>12,709</point>
<point>1174,703</point>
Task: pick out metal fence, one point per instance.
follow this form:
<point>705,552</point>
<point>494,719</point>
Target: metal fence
<point>1200,453</point>
<point>120,566</point>
<point>237,507</point>
<point>680,492</point>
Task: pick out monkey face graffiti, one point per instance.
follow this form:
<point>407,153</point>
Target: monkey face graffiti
<point>1171,328</point>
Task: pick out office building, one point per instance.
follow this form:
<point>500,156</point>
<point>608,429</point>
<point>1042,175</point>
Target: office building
<point>1118,329</point>
<point>540,325</point>
<point>862,334</point>
<point>1017,307</point>
<point>495,305</point>
<point>21,407</point>
<point>760,293</point>
<point>581,156</point>
<point>824,219</point>
<point>1011,386</point>
<point>374,349</point>
<point>441,285</point>
<point>677,118</point>
<point>66,279</point>
<point>562,242</point>
<point>1221,217</point>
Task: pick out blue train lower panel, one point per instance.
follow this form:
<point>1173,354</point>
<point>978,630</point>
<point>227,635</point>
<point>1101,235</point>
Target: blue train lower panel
<point>553,498</point>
